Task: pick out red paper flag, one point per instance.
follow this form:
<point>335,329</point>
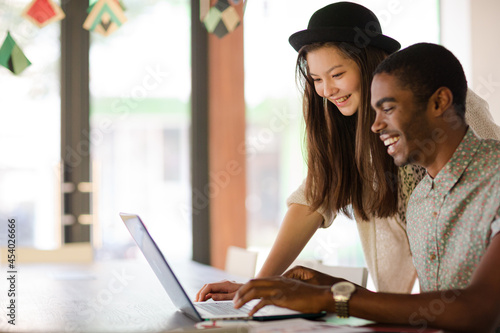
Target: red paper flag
<point>43,12</point>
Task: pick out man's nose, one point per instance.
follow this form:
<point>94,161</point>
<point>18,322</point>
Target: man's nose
<point>378,124</point>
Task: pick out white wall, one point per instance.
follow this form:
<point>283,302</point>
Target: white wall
<point>485,50</point>
<point>470,29</point>
<point>456,31</point>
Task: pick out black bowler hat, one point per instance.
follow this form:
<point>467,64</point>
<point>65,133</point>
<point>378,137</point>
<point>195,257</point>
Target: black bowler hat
<point>344,22</point>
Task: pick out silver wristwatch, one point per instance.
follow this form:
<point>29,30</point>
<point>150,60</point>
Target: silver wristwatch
<point>342,292</point>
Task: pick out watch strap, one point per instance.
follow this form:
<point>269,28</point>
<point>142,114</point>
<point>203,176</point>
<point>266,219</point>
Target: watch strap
<point>342,308</point>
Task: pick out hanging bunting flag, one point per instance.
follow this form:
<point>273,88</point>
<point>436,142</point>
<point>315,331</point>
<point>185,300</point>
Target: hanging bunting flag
<point>105,17</point>
<point>93,2</point>
<point>204,8</point>
<point>121,5</point>
<point>221,19</point>
<point>43,12</point>
<point>11,56</point>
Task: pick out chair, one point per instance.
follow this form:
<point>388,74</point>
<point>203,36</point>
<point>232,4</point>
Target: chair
<point>241,262</point>
<point>357,275</point>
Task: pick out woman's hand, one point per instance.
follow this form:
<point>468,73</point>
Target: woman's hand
<point>311,276</point>
<point>218,291</point>
<point>285,292</point>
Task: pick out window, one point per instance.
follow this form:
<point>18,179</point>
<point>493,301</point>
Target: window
<point>30,140</point>
<point>140,88</point>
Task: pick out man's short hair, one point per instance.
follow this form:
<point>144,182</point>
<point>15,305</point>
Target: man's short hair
<point>423,68</point>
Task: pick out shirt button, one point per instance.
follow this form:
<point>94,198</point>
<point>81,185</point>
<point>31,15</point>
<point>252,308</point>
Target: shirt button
<point>432,257</point>
<point>435,214</point>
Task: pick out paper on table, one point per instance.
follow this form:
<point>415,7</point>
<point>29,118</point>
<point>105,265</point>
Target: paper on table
<point>303,325</point>
<point>297,325</point>
<point>351,321</point>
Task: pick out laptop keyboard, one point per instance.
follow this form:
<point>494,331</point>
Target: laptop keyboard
<point>223,308</point>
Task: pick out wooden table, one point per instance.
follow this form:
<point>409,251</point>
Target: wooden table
<point>113,296</point>
<point>108,296</point>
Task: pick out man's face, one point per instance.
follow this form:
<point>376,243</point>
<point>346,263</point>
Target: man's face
<point>400,122</point>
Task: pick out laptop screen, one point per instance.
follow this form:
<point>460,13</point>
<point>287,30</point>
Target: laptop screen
<point>159,265</point>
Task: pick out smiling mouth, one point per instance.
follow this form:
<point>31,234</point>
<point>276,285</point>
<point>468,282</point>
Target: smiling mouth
<point>389,143</point>
<point>342,99</point>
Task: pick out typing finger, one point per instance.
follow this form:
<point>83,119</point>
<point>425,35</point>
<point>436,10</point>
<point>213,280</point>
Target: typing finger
<point>258,306</point>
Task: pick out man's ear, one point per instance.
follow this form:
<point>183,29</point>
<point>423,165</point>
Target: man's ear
<point>440,101</point>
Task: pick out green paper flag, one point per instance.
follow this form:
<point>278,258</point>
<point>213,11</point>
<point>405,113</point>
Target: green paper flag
<point>93,2</point>
<point>11,56</point>
<point>105,17</point>
<point>221,19</point>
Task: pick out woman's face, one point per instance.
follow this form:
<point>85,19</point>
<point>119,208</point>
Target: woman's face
<point>336,78</point>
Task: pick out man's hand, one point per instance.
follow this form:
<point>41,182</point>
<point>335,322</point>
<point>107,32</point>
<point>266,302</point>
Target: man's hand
<point>219,291</point>
<point>311,276</point>
<point>287,293</point>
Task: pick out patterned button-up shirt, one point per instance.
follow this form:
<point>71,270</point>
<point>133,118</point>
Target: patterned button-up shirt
<point>452,218</point>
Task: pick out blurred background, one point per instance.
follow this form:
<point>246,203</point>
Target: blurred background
<point>139,141</point>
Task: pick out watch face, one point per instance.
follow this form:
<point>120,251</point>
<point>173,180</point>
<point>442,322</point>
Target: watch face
<point>343,288</point>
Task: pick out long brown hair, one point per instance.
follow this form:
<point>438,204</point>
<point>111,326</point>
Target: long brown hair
<point>347,162</point>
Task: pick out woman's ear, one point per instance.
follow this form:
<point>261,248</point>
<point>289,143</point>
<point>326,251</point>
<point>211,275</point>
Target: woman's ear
<point>441,100</point>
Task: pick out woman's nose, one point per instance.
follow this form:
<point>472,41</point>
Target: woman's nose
<point>329,89</point>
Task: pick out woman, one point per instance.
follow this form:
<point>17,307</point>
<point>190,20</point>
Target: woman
<point>347,164</point>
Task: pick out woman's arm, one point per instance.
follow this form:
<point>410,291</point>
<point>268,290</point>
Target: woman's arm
<point>297,228</point>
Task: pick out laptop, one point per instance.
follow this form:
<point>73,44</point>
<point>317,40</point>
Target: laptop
<point>199,311</point>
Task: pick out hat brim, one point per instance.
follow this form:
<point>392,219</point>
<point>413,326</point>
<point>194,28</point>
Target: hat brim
<point>360,38</point>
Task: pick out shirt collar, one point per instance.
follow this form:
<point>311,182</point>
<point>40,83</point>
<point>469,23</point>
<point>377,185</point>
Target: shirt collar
<point>461,158</point>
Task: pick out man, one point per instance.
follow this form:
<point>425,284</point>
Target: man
<point>453,217</point>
